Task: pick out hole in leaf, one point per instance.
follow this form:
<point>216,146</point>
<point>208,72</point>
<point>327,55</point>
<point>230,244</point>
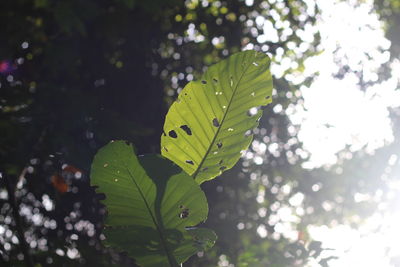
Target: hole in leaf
<point>165,148</point>
<point>215,80</point>
<point>230,129</point>
<point>251,112</point>
<point>164,133</point>
<point>253,94</point>
<point>172,134</point>
<point>247,133</point>
<point>204,82</point>
<point>267,97</point>
<point>255,64</point>
<point>222,168</point>
<point>221,161</point>
<point>215,122</point>
<point>186,129</point>
<point>184,213</point>
<point>189,162</point>
<point>219,145</point>
<point>231,81</point>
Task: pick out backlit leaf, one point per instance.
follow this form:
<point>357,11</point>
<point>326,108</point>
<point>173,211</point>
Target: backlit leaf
<point>151,203</point>
<point>209,124</point>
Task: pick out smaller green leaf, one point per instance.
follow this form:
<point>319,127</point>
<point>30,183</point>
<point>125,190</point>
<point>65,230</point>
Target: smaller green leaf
<point>150,203</point>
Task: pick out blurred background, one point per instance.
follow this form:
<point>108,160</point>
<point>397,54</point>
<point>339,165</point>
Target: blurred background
<point>319,186</point>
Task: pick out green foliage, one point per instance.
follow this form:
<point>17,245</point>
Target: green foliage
<point>205,128</point>
<point>115,60</point>
<point>152,201</point>
<point>149,208</point>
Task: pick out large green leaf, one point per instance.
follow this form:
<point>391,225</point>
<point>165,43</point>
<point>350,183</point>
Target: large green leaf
<point>151,203</point>
<point>205,128</point>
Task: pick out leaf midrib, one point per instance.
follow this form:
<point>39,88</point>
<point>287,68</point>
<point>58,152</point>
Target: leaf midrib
<point>220,125</point>
<point>171,260</point>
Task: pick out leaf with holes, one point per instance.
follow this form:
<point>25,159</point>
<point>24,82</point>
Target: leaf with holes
<point>151,210</point>
<point>209,124</point>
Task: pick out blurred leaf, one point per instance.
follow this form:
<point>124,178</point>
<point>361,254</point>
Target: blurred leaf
<point>205,129</point>
<point>59,183</point>
<point>150,203</point>
<point>41,3</point>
